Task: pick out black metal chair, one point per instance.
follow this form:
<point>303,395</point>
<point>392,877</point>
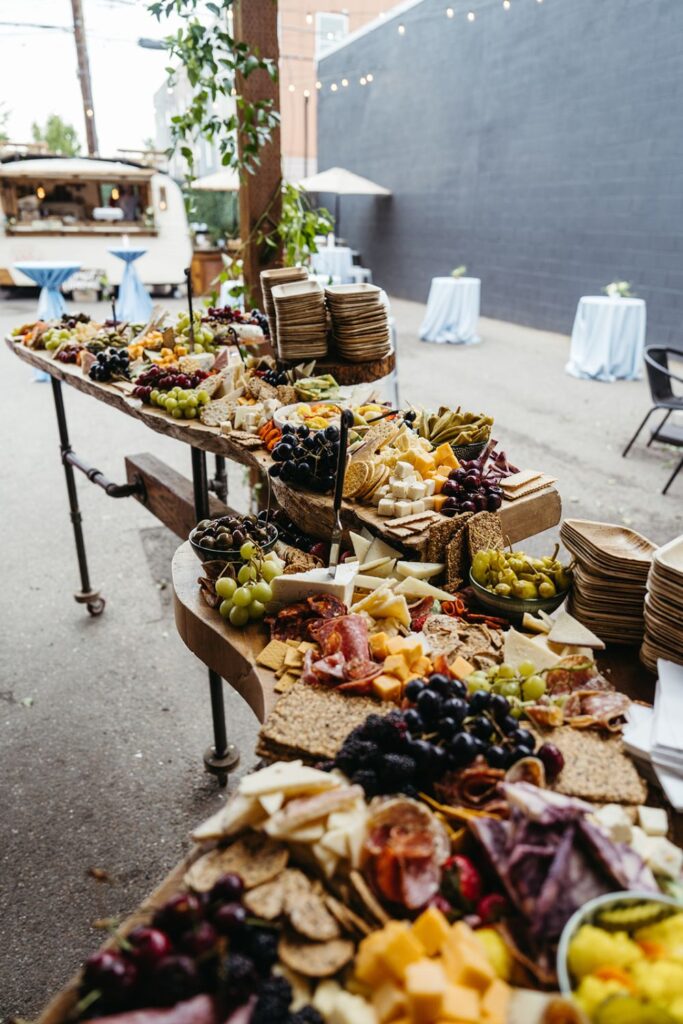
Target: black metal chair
<point>660,379</point>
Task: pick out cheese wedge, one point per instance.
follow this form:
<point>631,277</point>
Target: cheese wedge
<point>419,570</point>
<point>287,777</point>
<point>360,545</point>
<point>518,648</point>
<point>567,630</point>
<point>378,549</point>
<point>370,582</point>
<point>420,588</point>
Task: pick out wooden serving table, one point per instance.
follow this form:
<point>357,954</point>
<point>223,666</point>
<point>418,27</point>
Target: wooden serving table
<point>180,503</point>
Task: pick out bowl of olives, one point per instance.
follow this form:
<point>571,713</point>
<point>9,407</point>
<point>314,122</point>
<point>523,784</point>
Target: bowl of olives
<point>221,539</point>
<point>511,583</point>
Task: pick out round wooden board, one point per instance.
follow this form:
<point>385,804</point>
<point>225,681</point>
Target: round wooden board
<point>228,651</point>
<point>347,373</point>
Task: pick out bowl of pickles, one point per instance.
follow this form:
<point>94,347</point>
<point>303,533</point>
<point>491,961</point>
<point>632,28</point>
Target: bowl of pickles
<point>513,583</point>
<point>620,958</point>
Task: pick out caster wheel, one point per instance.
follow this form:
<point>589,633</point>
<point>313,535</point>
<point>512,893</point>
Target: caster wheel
<point>96,607</point>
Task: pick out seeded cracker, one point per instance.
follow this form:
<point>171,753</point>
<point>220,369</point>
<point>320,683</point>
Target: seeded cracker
<point>355,478</point>
<point>457,560</point>
<point>596,767</point>
<point>267,900</point>
<point>315,959</point>
<point>255,857</point>
<point>442,533</point>
<point>484,533</point>
<point>312,722</point>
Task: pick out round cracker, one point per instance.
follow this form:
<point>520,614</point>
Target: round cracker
<point>267,900</point>
<point>356,477</point>
<point>255,858</point>
<point>311,918</point>
<point>315,959</point>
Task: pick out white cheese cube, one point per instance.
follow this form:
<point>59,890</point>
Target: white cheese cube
<point>403,508</point>
<point>429,487</point>
<point>403,470</point>
<point>384,491</point>
<point>417,506</point>
<point>399,489</point>
<point>664,858</point>
<point>386,507</point>
<point>616,822</point>
<point>416,490</point>
<point>429,504</point>
<point>653,820</point>
<point>641,842</point>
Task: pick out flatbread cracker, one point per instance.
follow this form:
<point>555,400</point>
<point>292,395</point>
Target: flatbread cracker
<point>217,411</point>
<point>315,959</point>
<point>254,857</point>
<point>457,560</point>
<point>311,918</point>
<point>484,533</point>
<point>347,919</point>
<point>596,768</point>
<point>521,479</point>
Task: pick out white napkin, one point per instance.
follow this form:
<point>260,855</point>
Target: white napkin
<point>651,736</point>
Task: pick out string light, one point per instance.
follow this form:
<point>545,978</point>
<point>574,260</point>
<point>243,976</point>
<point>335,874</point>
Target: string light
<point>292,88</point>
<point>401,30</point>
<point>506,5</point>
<point>90,112</point>
<point>114,193</point>
<point>309,18</point>
<point>318,85</point>
<point>363,81</point>
<point>450,12</point>
<point>369,78</point>
<point>345,82</point>
<point>334,87</point>
<point>40,192</point>
<point>307,93</point>
<point>471,15</point>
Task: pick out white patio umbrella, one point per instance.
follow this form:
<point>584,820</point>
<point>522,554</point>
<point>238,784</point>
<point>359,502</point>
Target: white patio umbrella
<point>341,182</point>
<point>225,180</point>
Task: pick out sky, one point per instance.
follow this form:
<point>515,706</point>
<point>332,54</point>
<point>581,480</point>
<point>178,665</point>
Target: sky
<point>38,69</point>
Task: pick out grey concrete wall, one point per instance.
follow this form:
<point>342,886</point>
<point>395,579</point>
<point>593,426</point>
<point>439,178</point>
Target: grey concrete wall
<point>542,146</point>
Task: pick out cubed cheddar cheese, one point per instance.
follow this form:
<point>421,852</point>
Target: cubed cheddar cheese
<point>432,929</point>
<point>425,988</point>
<point>370,966</point>
<point>387,687</point>
<point>461,1004</point>
<point>445,456</point>
<point>397,665</point>
<point>461,668</point>
<point>379,645</point>
<point>389,1002</point>
<point>495,1002</point>
<point>422,666</point>
<point>439,499</point>
<point>395,644</point>
<point>424,464</point>
<point>401,948</point>
<point>465,960</point>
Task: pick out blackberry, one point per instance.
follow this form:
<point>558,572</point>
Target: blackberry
<point>237,978</point>
<point>274,997</point>
<point>368,780</point>
<point>306,1015</point>
<point>399,769</point>
<point>260,944</point>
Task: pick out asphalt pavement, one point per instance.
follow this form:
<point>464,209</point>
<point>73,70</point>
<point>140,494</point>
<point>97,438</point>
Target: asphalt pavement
<point>104,720</point>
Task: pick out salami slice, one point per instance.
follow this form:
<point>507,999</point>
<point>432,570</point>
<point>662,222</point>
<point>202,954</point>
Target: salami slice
<point>587,708</point>
<point>575,672</point>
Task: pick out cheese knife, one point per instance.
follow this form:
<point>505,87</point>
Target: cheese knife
<point>335,540</point>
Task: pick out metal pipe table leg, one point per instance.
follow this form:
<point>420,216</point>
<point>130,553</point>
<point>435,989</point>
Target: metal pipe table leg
<point>222,756</point>
<point>91,598</point>
<point>219,484</point>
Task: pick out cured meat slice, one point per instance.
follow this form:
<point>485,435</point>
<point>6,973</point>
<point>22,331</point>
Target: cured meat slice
<point>474,787</point>
<point>575,672</point>
<point>587,708</point>
<point>346,661</point>
<point>200,1010</point>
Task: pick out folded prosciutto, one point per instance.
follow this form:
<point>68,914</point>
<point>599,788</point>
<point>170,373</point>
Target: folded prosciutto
<point>344,658</point>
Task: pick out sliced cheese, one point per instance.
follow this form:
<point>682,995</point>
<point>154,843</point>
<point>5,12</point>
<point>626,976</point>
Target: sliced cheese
<point>272,802</point>
<point>568,630</point>
<point>370,582</point>
<point>533,625</point>
<point>420,588</point>
<point>518,648</point>
<point>419,570</point>
<point>377,563</point>
<point>360,545</point>
<point>285,777</point>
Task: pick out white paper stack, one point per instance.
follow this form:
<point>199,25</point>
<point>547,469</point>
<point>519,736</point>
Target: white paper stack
<point>655,736</point>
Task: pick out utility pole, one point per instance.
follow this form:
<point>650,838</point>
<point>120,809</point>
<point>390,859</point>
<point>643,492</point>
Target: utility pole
<point>84,76</point>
